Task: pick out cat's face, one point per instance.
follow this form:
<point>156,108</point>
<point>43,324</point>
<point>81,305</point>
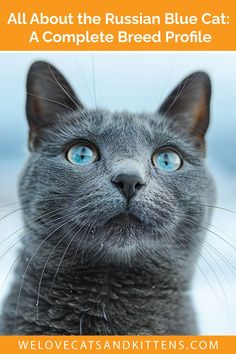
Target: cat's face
<point>116,185</point>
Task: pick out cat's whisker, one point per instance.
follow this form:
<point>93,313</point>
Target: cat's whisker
<point>11,246</point>
<point>230,266</point>
<point>221,256</point>
<point>49,257</point>
<point>196,264</point>
<point>206,228</point>
<point>78,246</point>
<point>12,234</point>
<point>28,264</point>
<point>181,92</point>
<point>11,268</point>
<point>22,250</point>
<point>17,240</point>
<point>45,266</point>
<point>228,243</point>
<point>94,83</point>
<point>178,95</point>
<point>38,220</point>
<point>226,261</point>
<point>209,265</point>
<point>51,100</point>
<point>95,255</point>
<point>25,209</point>
<point>21,228</point>
<point>208,244</point>
<point>167,243</point>
<point>166,239</point>
<point>77,65</point>
<point>167,80</point>
<point>59,242</point>
<point>62,258</point>
<point>221,229</point>
<point>216,277</point>
<point>219,208</point>
<point>12,212</point>
<point>88,230</point>
<point>63,89</point>
<point>224,100</point>
<point>8,204</point>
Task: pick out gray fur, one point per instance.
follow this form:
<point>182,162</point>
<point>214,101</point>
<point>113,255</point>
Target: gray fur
<point>122,272</point>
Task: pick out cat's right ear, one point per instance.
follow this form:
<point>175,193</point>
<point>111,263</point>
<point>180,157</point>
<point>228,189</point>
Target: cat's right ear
<point>189,105</point>
<point>49,96</point>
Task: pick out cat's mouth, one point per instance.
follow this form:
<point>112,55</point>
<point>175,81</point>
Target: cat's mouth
<point>125,219</point>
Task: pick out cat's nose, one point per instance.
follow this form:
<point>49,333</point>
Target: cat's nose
<point>128,184</point>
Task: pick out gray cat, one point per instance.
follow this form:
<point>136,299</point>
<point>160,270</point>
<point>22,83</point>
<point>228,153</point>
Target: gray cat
<point>114,208</point>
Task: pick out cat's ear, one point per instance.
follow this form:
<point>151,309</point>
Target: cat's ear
<point>189,103</point>
<point>48,96</point>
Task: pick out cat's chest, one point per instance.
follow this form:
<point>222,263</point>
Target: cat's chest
<point>99,305</point>
<point>101,295</point>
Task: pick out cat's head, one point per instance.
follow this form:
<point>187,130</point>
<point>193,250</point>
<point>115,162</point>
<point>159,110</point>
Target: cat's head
<point>116,186</point>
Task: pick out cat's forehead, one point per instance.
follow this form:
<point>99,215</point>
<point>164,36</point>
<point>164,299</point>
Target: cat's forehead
<point>121,123</point>
<point>116,129</point>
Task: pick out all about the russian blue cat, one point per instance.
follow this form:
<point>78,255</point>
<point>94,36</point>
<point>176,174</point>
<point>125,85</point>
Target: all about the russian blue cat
<point>109,18</point>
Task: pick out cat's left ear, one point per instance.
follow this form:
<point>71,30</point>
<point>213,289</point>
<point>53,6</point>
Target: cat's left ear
<point>49,98</point>
<point>189,105</point>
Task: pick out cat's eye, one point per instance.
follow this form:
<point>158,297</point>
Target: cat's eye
<point>167,160</point>
<point>82,154</point>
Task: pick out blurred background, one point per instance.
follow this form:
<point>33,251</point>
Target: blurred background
<point>135,82</point>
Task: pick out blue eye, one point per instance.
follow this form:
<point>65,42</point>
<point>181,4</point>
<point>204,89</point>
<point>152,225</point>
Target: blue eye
<point>82,154</point>
<point>167,160</point>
